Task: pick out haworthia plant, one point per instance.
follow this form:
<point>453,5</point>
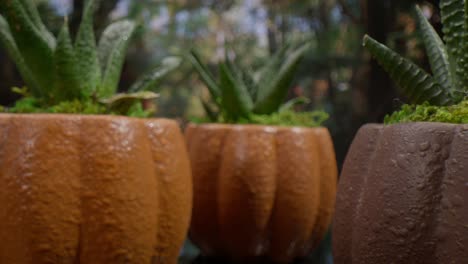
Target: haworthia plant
<point>448,83</point>
<point>238,93</point>
<point>61,70</point>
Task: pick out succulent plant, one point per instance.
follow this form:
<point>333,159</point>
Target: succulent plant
<point>241,95</point>
<point>448,84</point>
<point>62,72</point>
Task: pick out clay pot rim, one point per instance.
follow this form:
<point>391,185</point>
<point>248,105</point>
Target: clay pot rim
<point>83,116</point>
<point>413,123</point>
<point>267,128</point>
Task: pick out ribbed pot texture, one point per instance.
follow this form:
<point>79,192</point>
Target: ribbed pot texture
<point>260,191</point>
<point>403,196</point>
<point>92,189</point>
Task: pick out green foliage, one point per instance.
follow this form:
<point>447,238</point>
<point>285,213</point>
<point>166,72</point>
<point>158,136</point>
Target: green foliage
<point>291,118</point>
<point>244,96</point>
<point>66,76</point>
<point>448,61</point>
<point>32,105</point>
<point>456,114</point>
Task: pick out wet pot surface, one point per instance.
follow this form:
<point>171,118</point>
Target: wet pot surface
<point>92,189</point>
<point>403,196</point>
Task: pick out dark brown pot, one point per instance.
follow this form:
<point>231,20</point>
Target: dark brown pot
<point>403,196</point>
<point>92,189</point>
<point>260,190</point>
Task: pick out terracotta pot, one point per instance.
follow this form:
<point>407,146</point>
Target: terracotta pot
<point>403,196</point>
<point>92,189</point>
<point>260,190</point>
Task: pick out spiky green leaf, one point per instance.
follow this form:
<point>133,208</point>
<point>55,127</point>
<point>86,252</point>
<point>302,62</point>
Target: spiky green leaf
<point>86,53</point>
<point>271,68</point>
<point>210,112</point>
<point>68,85</point>
<point>205,75</point>
<point>414,82</point>
<point>10,46</point>
<point>150,80</point>
<point>436,52</point>
<point>121,103</point>
<point>463,63</point>
<point>453,20</point>
<point>31,9</point>
<point>235,99</point>
<point>273,92</point>
<point>112,50</point>
<point>252,86</point>
<point>34,46</point>
<point>289,105</point>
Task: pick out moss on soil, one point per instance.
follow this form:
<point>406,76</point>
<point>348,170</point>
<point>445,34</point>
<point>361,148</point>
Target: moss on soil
<point>284,118</point>
<point>456,114</point>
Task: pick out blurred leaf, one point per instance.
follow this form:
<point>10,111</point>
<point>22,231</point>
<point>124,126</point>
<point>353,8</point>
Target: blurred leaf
<point>235,99</point>
<point>68,85</point>
<point>86,52</point>
<point>273,92</point>
<point>112,50</point>
<point>9,44</point>
<point>205,75</point>
<point>289,105</point>
<point>35,48</point>
<point>121,103</point>
<point>149,81</point>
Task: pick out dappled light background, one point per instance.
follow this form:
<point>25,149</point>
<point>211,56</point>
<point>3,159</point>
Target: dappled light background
<point>337,74</point>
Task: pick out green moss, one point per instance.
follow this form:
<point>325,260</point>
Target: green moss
<point>456,114</point>
<point>291,118</point>
<point>32,105</point>
<point>283,118</point>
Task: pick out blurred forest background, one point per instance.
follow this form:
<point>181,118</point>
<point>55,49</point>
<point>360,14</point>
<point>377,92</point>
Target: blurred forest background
<point>337,75</point>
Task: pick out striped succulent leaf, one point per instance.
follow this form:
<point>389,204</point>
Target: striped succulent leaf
<point>241,93</point>
<point>413,81</point>
<point>436,52</point>
<point>148,81</point>
<point>272,93</point>
<point>30,7</point>
<point>37,51</point>
<point>205,75</point>
<point>68,81</point>
<point>60,71</point>
<point>6,38</point>
<point>112,49</point>
<point>235,99</point>
<point>86,53</point>
<point>463,62</point>
<point>453,20</point>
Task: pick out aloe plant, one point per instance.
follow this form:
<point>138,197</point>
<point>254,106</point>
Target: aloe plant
<point>60,72</point>
<point>448,84</point>
<point>244,96</point>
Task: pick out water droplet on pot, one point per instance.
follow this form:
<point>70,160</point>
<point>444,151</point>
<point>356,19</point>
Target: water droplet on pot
<point>424,146</point>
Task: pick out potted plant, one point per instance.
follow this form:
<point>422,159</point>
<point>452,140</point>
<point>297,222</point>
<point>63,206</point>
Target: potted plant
<point>264,179</point>
<point>403,191</point>
<point>75,188</point>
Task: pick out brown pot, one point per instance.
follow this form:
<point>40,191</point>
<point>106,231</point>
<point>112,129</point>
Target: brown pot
<point>260,190</point>
<point>403,196</point>
<point>92,189</point>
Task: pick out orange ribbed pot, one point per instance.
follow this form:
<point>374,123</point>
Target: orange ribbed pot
<point>92,189</point>
<point>260,191</point>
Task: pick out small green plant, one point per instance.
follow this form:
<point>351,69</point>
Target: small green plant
<point>448,84</point>
<point>243,96</point>
<point>66,76</point>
